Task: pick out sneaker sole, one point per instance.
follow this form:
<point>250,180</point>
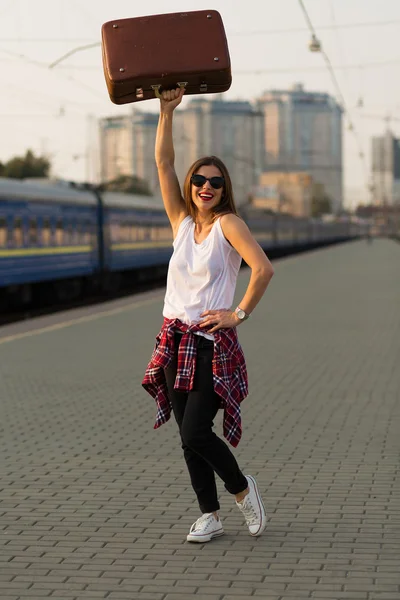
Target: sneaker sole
<point>263,523</point>
<point>204,538</point>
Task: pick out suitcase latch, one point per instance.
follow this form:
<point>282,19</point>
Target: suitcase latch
<point>203,87</point>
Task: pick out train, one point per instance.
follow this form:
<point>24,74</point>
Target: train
<point>60,238</point>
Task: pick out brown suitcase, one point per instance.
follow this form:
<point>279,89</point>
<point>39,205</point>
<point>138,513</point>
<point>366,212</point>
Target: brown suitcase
<point>144,55</point>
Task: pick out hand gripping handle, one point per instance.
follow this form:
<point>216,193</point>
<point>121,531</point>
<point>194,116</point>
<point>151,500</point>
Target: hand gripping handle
<point>156,88</point>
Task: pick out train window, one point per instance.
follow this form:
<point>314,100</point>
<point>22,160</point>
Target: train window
<point>67,234</point>
<point>84,233</point>
<point>115,232</point>
<point>10,237</point>
<point>133,232</point>
<point>59,233</point>
<point>46,232</point>
<point>125,232</point>
<point>165,233</point>
<point>79,233</point>
<point>33,232</point>
<point>18,236</point>
<point>87,232</point>
<point>74,233</point>
<point>3,232</point>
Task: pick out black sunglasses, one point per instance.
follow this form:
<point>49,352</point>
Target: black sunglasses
<point>216,182</point>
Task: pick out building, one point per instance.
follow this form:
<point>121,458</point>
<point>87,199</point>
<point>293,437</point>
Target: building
<point>115,147</point>
<point>284,131</point>
<point>144,130</point>
<point>284,192</point>
<point>386,170</point>
<point>303,132</point>
<point>231,130</point>
<point>127,147</point>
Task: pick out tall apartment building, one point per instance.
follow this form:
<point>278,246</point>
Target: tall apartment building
<point>144,129</point>
<point>303,132</point>
<point>127,147</point>
<point>231,130</point>
<point>386,170</point>
<point>115,147</point>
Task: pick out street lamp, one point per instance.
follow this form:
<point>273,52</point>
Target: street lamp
<point>315,44</point>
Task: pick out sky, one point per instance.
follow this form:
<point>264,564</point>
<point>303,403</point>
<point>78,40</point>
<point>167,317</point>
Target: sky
<point>54,111</point>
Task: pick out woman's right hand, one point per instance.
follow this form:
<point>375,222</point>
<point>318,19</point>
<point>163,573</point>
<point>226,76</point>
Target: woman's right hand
<point>170,99</point>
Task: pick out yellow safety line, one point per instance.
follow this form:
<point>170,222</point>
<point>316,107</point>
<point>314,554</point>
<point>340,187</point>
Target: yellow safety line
<point>44,251</point>
<point>141,245</point>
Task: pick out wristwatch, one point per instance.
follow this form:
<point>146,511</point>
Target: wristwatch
<point>241,314</point>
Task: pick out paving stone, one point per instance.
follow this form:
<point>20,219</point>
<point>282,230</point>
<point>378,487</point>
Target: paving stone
<point>94,503</point>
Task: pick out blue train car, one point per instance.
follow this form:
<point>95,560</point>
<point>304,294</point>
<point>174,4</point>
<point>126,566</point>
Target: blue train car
<point>47,232</point>
<point>137,233</point>
<point>72,239</point>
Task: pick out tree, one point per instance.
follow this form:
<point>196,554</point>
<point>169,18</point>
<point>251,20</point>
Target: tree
<point>21,167</point>
<point>128,184</point>
<point>321,204</point>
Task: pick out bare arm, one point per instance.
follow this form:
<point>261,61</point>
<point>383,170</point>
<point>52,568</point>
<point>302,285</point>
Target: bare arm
<point>238,235</point>
<point>165,158</point>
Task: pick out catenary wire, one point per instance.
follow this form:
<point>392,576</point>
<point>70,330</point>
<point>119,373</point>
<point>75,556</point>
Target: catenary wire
<point>339,93</point>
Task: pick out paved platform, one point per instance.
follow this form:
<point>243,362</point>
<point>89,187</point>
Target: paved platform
<point>94,503</point>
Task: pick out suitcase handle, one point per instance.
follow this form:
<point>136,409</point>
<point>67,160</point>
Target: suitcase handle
<point>156,88</point>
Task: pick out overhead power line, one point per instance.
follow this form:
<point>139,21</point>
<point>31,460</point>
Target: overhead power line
<point>388,118</point>
<point>357,25</point>
<point>319,27</point>
<point>338,90</point>
<point>73,51</point>
<point>46,40</point>
<point>295,68</point>
<point>46,66</point>
<point>290,69</point>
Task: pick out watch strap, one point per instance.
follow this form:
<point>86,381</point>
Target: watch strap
<point>246,315</point>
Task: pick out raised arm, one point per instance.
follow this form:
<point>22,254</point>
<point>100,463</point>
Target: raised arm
<point>165,158</point>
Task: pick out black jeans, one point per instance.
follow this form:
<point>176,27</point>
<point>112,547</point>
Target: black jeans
<point>204,452</point>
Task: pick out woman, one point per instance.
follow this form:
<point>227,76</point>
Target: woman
<point>198,365</point>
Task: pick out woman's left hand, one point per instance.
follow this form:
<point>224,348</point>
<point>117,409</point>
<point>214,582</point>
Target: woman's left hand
<point>220,319</point>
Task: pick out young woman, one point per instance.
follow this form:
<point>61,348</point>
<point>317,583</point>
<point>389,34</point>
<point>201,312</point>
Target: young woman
<point>198,365</point>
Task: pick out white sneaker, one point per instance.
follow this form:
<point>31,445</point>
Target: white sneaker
<point>253,509</point>
<point>205,529</point>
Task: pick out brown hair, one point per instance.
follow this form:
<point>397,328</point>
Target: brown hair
<point>227,202</point>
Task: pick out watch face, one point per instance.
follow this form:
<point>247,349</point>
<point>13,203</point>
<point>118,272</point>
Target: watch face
<point>241,314</point>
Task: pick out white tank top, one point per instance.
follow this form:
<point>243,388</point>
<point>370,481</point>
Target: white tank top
<point>200,276</point>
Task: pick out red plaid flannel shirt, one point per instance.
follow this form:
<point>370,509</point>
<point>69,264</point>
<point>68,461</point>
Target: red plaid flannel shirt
<point>229,372</point>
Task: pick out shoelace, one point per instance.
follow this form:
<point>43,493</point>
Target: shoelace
<point>249,513</point>
<point>202,520</point>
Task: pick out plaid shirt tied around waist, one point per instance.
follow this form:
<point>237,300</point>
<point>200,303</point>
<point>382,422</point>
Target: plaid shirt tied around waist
<point>228,365</point>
